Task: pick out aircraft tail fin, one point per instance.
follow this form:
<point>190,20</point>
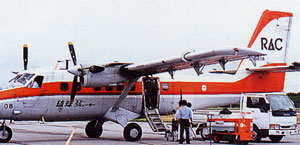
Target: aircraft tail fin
<point>271,36</point>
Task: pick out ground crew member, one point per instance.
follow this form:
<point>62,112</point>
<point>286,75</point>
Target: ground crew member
<point>184,118</point>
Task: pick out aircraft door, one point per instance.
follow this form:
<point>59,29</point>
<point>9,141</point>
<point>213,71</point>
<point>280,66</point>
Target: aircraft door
<point>151,93</point>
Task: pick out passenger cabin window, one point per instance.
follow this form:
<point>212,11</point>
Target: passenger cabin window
<point>120,87</point>
<point>109,88</point>
<point>165,86</point>
<point>97,89</point>
<point>64,86</point>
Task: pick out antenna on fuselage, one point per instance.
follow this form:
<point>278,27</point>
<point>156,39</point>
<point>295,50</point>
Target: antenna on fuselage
<point>180,94</point>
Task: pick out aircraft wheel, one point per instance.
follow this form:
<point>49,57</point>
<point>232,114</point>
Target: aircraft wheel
<point>275,138</point>
<point>132,132</point>
<point>93,129</point>
<point>5,135</point>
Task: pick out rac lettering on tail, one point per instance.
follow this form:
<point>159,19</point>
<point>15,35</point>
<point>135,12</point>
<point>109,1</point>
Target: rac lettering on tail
<point>272,44</point>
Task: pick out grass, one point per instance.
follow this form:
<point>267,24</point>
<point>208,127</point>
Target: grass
<point>165,118</point>
<point>168,118</point>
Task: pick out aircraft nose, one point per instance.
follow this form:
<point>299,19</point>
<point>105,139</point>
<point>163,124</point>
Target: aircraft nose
<point>75,70</point>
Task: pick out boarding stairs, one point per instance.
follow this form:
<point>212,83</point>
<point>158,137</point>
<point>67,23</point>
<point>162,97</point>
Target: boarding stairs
<point>154,120</point>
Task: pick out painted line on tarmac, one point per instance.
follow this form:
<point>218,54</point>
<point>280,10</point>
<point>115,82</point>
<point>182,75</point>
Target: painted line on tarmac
<point>71,136</point>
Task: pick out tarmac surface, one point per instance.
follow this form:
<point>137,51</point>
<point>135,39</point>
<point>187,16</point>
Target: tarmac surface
<point>30,132</point>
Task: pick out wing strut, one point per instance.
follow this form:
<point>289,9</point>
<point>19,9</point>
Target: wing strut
<point>121,115</point>
<point>124,93</point>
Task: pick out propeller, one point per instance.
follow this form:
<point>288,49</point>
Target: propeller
<point>74,88</point>
<point>74,84</point>
<point>25,56</point>
<point>72,52</point>
<point>78,70</point>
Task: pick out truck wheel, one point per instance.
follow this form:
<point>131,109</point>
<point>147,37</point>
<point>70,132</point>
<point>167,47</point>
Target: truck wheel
<point>132,132</point>
<point>275,138</point>
<point>257,134</point>
<point>5,134</point>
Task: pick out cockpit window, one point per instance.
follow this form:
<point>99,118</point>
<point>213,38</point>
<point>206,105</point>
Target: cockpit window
<point>36,83</point>
<point>24,78</point>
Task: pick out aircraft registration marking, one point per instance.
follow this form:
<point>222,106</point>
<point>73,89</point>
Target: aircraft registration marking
<point>75,103</point>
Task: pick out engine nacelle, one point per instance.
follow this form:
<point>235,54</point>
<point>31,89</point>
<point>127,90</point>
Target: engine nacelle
<point>101,79</point>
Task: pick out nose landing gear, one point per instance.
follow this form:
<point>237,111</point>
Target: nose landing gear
<point>5,133</point>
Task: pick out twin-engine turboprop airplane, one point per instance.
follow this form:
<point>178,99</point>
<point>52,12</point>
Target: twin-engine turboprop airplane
<point>115,91</point>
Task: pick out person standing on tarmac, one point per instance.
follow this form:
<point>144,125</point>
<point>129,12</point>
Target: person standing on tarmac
<point>185,115</point>
<point>192,134</point>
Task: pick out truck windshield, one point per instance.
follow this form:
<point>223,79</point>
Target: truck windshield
<point>280,103</point>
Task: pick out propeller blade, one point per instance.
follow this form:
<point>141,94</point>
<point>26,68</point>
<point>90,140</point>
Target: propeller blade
<point>72,52</point>
<point>74,88</point>
<point>25,56</point>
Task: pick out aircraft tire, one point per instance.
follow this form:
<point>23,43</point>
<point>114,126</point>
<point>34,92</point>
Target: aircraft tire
<point>93,129</point>
<point>132,132</point>
<point>7,132</point>
<point>275,138</point>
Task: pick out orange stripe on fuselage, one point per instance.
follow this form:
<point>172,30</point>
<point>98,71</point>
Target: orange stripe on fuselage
<point>255,82</point>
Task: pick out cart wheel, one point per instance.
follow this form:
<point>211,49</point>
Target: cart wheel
<point>216,138</point>
<point>169,136</point>
<point>205,133</point>
<point>238,141</point>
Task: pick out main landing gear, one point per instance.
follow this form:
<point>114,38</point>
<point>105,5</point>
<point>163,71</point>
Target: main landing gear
<point>131,132</point>
<point>94,129</point>
<point>5,133</point>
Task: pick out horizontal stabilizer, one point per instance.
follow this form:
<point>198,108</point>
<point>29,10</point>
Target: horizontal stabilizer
<point>287,68</point>
<point>232,72</point>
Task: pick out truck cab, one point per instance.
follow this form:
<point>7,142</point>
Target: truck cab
<point>274,115</point>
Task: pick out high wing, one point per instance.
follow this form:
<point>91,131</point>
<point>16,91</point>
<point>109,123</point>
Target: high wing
<point>194,60</point>
<point>287,68</point>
